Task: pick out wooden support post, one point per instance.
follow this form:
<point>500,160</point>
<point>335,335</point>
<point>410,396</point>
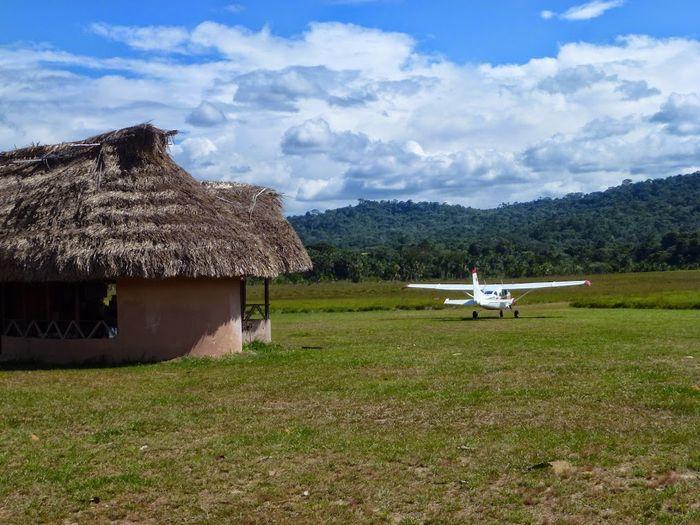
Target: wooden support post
<point>267,298</point>
<point>243,297</point>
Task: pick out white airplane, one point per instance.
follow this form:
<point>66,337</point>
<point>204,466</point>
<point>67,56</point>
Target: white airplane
<point>493,296</point>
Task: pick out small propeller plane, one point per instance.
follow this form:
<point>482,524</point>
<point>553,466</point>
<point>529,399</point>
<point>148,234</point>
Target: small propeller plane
<point>493,296</point>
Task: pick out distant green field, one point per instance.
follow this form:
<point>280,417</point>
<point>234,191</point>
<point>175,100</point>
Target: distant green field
<point>677,289</point>
<point>665,300</point>
<point>563,416</point>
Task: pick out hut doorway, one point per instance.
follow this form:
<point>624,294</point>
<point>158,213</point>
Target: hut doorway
<point>56,310</point>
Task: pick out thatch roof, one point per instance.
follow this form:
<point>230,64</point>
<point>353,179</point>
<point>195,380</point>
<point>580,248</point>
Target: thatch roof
<point>261,208</point>
<point>117,205</point>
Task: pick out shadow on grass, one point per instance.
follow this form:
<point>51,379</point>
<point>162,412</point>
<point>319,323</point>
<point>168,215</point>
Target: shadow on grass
<point>255,348</point>
<point>496,318</point>
<point>469,318</point>
<point>19,366</point>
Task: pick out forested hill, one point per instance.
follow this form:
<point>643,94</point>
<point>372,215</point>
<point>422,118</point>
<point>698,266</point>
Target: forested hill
<point>622,213</point>
<point>636,226</point>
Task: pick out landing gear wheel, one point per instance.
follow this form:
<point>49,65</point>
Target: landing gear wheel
<point>500,314</point>
<point>516,314</point>
<point>475,314</point>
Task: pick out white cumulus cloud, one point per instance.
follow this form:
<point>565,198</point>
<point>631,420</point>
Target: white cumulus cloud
<point>206,114</point>
<point>341,112</point>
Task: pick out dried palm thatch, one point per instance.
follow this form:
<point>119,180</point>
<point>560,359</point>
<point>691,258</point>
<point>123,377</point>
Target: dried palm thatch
<point>261,209</point>
<point>117,205</point>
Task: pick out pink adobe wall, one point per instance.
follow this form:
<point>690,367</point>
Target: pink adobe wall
<point>257,330</point>
<point>158,320</point>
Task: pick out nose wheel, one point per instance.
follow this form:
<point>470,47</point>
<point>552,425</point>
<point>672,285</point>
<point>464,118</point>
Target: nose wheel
<point>500,314</point>
<point>475,314</point>
<point>516,314</point>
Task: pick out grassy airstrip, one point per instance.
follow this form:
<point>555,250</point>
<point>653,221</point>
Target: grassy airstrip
<point>678,289</point>
<point>567,415</point>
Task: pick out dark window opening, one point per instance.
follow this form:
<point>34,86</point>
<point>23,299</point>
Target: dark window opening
<point>59,310</point>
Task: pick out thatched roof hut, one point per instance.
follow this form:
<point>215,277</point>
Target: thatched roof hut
<point>117,205</point>
<point>112,218</point>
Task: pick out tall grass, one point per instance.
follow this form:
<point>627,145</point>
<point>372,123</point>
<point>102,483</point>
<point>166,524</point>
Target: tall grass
<point>664,300</point>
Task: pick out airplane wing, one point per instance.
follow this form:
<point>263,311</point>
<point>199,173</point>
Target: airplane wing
<point>533,286</point>
<point>492,287</point>
<point>449,287</point>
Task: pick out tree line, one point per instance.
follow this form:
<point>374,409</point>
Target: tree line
<point>645,226</point>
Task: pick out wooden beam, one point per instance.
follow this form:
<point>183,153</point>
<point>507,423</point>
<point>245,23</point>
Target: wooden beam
<point>243,296</point>
<point>267,298</point>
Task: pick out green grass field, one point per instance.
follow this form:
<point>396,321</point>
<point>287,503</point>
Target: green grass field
<point>678,289</point>
<point>567,415</point>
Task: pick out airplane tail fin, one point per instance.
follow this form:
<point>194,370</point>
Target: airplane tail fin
<point>475,282</point>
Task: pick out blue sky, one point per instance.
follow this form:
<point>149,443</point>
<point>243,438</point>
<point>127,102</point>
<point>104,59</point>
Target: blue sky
<point>476,102</point>
<point>478,30</point>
